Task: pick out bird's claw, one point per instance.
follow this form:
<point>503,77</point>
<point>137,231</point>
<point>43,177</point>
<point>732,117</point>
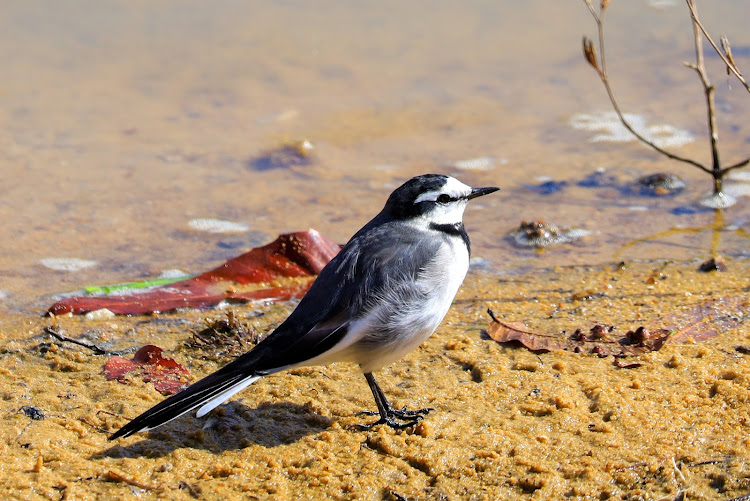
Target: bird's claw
<point>403,413</point>
<point>398,419</point>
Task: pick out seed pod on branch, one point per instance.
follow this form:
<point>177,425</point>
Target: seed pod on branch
<point>604,5</point>
<point>589,52</point>
<point>728,52</point>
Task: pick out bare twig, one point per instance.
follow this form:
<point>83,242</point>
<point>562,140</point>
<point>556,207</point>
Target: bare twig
<point>726,55</point>
<point>602,71</point>
<point>85,344</point>
<point>600,66</point>
<point>113,476</point>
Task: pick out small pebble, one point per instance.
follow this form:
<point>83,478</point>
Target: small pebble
<point>100,314</point>
<point>659,184</point>
<point>32,412</point>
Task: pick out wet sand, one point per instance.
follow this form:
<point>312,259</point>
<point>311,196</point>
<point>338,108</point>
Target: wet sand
<point>507,423</point>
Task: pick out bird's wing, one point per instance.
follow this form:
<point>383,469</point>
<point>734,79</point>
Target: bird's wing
<point>375,259</point>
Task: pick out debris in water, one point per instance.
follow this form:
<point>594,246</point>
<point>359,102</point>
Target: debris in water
<point>659,184</point>
<point>540,234</point>
<point>290,153</point>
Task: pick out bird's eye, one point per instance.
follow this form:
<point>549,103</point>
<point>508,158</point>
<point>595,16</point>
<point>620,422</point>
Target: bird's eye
<point>444,199</point>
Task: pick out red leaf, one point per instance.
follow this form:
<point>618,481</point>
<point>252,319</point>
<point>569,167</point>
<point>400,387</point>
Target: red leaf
<point>165,373</point>
<point>291,255</point>
<point>117,367</point>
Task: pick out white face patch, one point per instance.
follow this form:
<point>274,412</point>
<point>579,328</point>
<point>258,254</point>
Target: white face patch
<point>453,188</point>
<point>451,212</point>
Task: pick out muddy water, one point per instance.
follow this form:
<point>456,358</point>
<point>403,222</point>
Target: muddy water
<point>124,121</point>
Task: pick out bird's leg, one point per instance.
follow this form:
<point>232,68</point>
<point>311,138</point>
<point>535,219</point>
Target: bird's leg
<point>389,415</point>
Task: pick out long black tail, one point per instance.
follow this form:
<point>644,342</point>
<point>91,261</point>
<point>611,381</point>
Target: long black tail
<point>209,392</point>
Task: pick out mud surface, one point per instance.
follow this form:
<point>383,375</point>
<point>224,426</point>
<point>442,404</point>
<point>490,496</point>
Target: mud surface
<point>508,423</point>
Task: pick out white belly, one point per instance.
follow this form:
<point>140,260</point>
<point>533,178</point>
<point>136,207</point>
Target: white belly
<point>410,323</point>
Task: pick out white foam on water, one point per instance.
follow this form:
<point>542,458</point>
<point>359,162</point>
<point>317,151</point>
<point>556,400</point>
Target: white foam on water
<point>217,226</point>
<point>720,201</point>
<point>71,264</point>
<point>610,129</point>
<point>480,163</point>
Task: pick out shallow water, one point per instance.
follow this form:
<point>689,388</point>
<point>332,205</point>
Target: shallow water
<point>124,121</point>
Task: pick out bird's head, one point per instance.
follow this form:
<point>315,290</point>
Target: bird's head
<point>435,197</point>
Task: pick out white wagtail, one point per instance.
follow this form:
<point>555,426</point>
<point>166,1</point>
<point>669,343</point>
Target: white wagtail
<point>383,295</point>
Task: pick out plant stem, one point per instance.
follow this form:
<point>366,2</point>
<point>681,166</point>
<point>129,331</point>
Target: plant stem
<point>730,65</point>
<point>708,88</point>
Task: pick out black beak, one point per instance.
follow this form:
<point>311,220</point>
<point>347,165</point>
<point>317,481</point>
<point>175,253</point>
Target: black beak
<point>478,192</point>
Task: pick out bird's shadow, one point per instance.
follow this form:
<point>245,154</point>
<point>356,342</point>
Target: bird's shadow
<point>269,425</point>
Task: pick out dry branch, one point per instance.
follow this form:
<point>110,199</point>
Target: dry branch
<point>600,66</point>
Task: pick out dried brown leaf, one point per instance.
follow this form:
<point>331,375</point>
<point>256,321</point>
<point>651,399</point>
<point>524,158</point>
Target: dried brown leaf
<point>597,341</point>
<point>696,324</point>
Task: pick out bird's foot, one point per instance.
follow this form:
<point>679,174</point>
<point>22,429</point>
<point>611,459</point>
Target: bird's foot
<point>403,413</point>
<point>398,419</point>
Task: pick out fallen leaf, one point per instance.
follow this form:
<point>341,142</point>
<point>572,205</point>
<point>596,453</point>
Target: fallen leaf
<point>620,365</point>
<point>707,319</point>
<point>166,374</point>
<point>598,341</point>
<point>695,324</point>
<point>292,255</point>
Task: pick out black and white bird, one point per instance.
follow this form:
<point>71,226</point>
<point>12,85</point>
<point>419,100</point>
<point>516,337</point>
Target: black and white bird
<point>383,295</point>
